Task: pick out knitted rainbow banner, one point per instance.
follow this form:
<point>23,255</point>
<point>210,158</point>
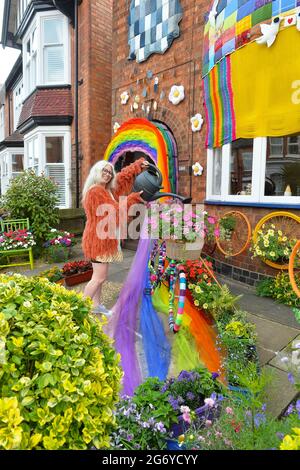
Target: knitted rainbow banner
<point>219,106</point>
<point>154,140</point>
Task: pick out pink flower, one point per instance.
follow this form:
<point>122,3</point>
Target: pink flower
<point>217,232</point>
<point>186,217</point>
<point>189,223</point>
<point>229,410</point>
<point>186,418</point>
<point>210,402</point>
<point>208,423</point>
<point>211,220</point>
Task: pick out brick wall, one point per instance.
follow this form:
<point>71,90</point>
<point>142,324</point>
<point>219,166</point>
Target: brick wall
<point>243,267</point>
<point>180,65</point>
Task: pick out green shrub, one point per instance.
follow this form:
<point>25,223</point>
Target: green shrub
<point>59,376</point>
<point>35,197</point>
<point>280,289</point>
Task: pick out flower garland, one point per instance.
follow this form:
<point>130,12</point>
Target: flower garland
<point>171,273</point>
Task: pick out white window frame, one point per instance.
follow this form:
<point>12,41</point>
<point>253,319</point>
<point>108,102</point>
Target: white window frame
<point>21,8</point>
<point>2,123</point>
<point>38,23</point>
<point>6,165</point>
<point>40,133</point>
<point>27,64</point>
<point>258,178</point>
<point>18,92</point>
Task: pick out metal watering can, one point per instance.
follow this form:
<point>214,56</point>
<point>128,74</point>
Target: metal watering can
<point>150,182</point>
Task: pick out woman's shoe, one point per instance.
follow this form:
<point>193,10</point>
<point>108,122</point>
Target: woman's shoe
<point>102,309</point>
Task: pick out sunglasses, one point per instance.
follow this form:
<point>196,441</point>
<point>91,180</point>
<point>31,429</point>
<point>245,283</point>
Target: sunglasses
<point>107,172</point>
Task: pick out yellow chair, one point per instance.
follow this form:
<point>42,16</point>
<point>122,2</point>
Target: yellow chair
<point>17,224</point>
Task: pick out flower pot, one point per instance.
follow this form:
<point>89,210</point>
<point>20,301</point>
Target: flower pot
<point>179,250</point>
<point>78,278</point>
<point>60,281</point>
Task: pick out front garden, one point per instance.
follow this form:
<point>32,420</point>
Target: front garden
<point>60,377</point>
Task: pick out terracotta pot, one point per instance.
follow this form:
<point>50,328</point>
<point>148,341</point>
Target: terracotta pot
<point>78,278</point>
<point>60,281</point>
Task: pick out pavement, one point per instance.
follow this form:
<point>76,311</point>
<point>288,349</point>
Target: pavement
<point>275,323</point>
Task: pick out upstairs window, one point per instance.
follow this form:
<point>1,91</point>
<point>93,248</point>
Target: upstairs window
<point>30,59</point>
<point>53,51</point>
<point>2,123</point>
<point>18,101</point>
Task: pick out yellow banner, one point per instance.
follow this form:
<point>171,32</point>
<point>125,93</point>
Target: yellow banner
<point>266,87</point>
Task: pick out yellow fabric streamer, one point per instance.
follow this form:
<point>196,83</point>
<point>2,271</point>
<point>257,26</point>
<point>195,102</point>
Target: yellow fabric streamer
<point>266,87</point>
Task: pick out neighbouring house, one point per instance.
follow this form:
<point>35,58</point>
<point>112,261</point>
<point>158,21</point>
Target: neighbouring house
<point>55,107</point>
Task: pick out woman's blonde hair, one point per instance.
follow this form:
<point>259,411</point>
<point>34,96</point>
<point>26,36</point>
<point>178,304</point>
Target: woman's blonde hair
<point>95,177</point>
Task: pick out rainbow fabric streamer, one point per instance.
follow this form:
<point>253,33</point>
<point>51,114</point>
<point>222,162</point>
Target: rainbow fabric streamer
<point>154,140</point>
<point>219,107</point>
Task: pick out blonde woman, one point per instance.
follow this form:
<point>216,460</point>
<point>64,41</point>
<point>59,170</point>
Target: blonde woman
<point>102,190</point>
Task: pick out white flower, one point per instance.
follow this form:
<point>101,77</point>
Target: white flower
<point>197,122</point>
<point>176,94</point>
<point>197,169</point>
<point>116,127</point>
<point>124,97</point>
<point>53,230</point>
<point>210,402</point>
<point>27,304</point>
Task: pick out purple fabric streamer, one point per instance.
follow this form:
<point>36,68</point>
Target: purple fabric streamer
<point>124,322</point>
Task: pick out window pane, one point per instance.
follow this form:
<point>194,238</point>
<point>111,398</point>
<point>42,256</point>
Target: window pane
<point>54,64</point>
<point>54,149</point>
<point>217,172</point>
<point>241,163</point>
<point>53,31</point>
<point>17,163</point>
<point>283,170</point>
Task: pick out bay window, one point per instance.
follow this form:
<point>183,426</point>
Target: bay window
<point>260,170</point>
<point>46,52</point>
<point>18,100</point>
<point>48,151</point>
<point>2,123</point>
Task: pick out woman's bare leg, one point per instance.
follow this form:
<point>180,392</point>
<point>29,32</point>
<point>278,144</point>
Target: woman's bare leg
<point>93,288</point>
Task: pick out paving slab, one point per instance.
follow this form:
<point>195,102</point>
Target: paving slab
<point>265,355</point>
<point>272,336</point>
<point>286,352</point>
<point>264,307</point>
<point>280,392</point>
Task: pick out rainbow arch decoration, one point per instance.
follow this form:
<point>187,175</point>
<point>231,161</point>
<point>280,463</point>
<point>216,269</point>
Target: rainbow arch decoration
<point>154,140</point>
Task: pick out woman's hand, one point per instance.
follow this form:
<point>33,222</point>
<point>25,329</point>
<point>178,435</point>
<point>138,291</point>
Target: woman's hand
<point>144,165</point>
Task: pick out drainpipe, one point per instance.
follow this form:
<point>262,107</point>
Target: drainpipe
<point>77,103</point>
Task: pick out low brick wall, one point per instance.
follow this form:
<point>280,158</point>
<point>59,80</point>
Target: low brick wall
<point>72,220</point>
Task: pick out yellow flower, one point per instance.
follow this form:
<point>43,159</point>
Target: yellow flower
<point>181,438</point>
<point>272,254</point>
<point>198,290</point>
<point>196,302</point>
<point>205,306</point>
<point>284,239</point>
<point>280,233</point>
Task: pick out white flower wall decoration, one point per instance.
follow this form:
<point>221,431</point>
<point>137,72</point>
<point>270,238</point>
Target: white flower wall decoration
<point>176,94</point>
<point>197,169</point>
<point>197,122</point>
<point>124,97</point>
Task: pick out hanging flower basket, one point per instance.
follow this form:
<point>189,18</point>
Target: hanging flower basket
<point>181,250</point>
<point>78,278</point>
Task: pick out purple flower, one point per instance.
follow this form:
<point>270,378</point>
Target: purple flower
<point>298,405</point>
<point>291,378</point>
<point>259,419</point>
<point>215,375</point>
<point>264,407</point>
<point>173,402</point>
<point>160,427</point>
<point>190,396</point>
<point>290,410</point>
